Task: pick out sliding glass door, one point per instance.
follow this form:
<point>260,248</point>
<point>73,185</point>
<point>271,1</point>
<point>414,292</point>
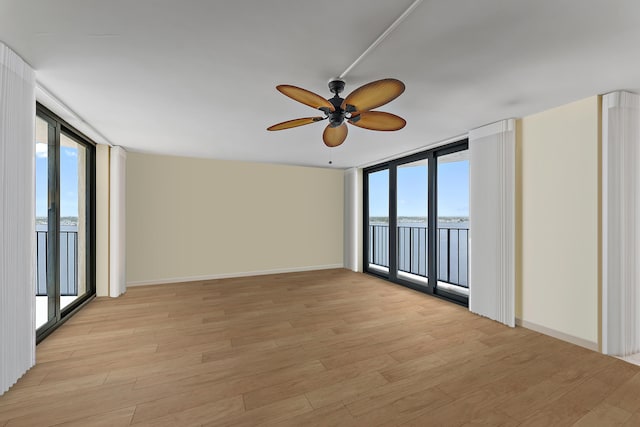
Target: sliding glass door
<point>73,219</point>
<point>65,171</point>
<point>45,247</point>
<point>417,221</point>
<point>453,222</point>
<point>412,214</point>
<point>378,221</point>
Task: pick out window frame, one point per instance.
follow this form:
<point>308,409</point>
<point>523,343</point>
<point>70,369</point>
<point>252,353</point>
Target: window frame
<point>431,155</point>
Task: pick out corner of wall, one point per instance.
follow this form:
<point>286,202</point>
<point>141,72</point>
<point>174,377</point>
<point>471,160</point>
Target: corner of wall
<point>518,221</point>
<point>359,179</point>
<point>600,259</point>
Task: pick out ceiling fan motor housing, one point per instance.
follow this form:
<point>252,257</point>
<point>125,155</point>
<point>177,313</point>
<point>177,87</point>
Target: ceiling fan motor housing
<point>337,116</point>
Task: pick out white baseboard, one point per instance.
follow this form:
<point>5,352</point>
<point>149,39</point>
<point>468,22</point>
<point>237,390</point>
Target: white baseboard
<point>559,335</point>
<point>233,275</point>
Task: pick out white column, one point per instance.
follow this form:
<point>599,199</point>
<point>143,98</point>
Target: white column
<point>117,256</point>
<point>620,223</point>
<point>492,221</point>
<point>102,219</point>
<point>352,218</point>
<point>17,217</point>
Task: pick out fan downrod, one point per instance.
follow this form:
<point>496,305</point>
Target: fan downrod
<point>336,118</point>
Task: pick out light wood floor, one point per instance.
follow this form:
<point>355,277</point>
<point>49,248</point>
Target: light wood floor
<point>319,348</point>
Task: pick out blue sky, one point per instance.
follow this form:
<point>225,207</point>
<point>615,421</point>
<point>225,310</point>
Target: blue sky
<point>68,181</point>
<point>453,190</point>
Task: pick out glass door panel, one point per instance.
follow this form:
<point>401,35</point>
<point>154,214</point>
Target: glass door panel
<point>453,223</point>
<point>65,221</point>
<point>378,221</point>
<point>411,219</point>
<point>73,220</point>
<point>43,135</point>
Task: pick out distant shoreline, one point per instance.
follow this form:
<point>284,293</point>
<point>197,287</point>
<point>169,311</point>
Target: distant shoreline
<point>65,220</point>
<point>418,219</point>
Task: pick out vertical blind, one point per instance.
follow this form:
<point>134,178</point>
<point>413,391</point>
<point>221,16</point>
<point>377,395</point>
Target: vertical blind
<point>17,217</point>
<point>117,256</point>
<point>492,221</point>
<point>352,225</point>
<point>620,223</point>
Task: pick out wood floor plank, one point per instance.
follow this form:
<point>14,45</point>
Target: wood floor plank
<point>35,394</point>
<point>202,392</point>
<point>69,406</point>
<point>273,414</point>
<point>478,406</point>
<point>604,415</point>
<point>344,390</point>
<point>206,413</point>
<point>303,384</point>
<point>162,368</point>
<point>633,421</point>
<point>183,405</point>
<point>558,413</point>
<point>335,415</point>
<point>626,396</point>
<point>117,418</point>
<point>325,348</point>
<point>409,404</point>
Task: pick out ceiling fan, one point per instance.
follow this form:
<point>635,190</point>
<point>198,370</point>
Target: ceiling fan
<point>355,108</point>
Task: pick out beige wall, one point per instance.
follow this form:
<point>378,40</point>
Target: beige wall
<point>190,218</point>
<point>558,277</point>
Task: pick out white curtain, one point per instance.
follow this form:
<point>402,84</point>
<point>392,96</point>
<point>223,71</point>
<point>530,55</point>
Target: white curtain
<point>352,215</point>
<point>117,212</point>
<point>492,221</point>
<point>621,223</point>
<point>17,217</point>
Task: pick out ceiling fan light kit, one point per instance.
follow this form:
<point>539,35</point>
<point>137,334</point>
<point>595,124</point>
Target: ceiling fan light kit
<point>355,108</point>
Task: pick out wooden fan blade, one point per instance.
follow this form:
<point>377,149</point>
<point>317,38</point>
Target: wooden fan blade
<point>377,120</point>
<point>335,136</point>
<point>306,97</point>
<point>295,123</point>
<point>373,95</point>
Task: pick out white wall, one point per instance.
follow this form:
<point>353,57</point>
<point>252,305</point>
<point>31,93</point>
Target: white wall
<point>196,218</point>
<point>102,220</point>
<point>558,281</point>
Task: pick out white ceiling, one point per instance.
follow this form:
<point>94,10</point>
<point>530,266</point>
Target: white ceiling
<point>197,78</point>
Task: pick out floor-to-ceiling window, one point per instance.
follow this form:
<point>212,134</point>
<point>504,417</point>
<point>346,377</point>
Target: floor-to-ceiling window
<point>453,222</point>
<point>417,221</point>
<point>378,220</point>
<point>412,211</point>
<point>65,221</point>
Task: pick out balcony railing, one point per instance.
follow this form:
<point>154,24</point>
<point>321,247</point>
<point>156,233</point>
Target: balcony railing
<point>452,244</point>
<point>68,263</point>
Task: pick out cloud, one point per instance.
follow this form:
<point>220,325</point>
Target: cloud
<point>71,152</point>
<point>41,150</point>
